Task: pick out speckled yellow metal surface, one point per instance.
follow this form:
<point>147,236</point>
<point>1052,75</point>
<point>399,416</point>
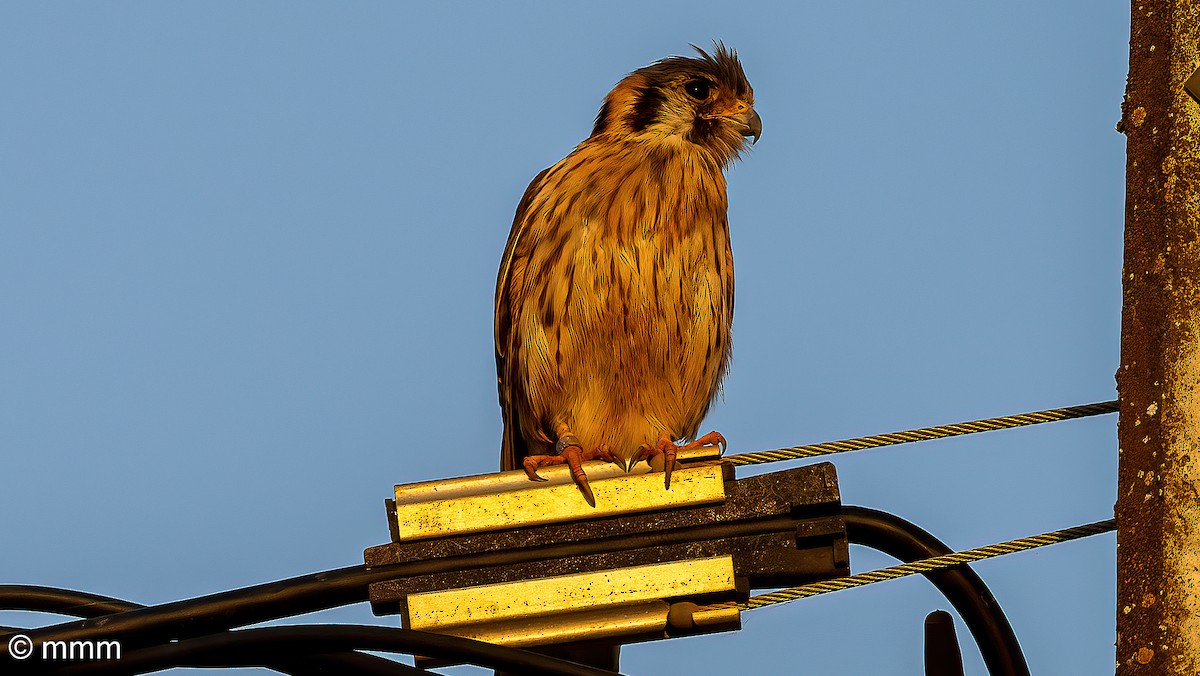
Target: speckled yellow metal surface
<point>509,500</point>
<point>583,606</point>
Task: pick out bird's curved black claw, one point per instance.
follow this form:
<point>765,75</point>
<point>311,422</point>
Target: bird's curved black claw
<point>531,464</point>
<point>574,458</point>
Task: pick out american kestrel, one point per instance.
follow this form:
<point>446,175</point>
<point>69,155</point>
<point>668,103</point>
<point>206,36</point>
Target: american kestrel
<point>614,301</point>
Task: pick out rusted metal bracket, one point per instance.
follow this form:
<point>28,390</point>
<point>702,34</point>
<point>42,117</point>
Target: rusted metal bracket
<point>541,568</point>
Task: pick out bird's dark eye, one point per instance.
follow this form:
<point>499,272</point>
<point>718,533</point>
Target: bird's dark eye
<point>697,89</point>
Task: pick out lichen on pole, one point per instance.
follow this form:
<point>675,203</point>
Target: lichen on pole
<point>1158,380</point>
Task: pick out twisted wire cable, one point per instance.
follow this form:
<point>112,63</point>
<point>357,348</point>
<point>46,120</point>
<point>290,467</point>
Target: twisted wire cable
<point>923,434</point>
<point>926,565</point>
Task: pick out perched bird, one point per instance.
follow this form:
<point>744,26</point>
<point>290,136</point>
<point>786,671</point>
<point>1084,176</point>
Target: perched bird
<point>614,300</point>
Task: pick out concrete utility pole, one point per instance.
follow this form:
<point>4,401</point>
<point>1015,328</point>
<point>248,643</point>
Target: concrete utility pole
<point>1158,497</point>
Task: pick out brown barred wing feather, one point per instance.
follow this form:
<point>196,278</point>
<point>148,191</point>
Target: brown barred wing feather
<point>513,447</point>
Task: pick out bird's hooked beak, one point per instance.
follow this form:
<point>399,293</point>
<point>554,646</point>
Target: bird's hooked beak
<point>751,123</point>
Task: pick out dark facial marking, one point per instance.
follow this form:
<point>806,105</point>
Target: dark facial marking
<point>703,129</point>
<point>645,109</point>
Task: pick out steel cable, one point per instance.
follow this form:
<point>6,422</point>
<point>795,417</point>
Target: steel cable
<point>922,434</point>
<point>926,565</point>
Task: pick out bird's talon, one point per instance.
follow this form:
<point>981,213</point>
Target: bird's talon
<point>605,453</point>
<point>573,455</point>
<point>531,466</point>
<point>587,493</point>
<point>711,439</point>
<point>641,454</point>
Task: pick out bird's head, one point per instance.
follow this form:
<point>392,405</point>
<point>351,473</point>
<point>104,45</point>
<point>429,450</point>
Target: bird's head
<point>704,101</point>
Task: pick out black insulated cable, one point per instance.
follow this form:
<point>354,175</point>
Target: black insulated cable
<point>252,647</point>
<point>961,586</point>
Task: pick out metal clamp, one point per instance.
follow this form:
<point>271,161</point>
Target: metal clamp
<point>647,563</point>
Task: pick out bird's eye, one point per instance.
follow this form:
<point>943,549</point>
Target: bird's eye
<point>697,89</point>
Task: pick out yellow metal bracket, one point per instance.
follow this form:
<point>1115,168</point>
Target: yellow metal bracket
<point>490,502</point>
<point>528,564</point>
<point>583,606</point>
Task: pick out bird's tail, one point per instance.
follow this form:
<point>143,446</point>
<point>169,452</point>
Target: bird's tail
<point>512,449</point>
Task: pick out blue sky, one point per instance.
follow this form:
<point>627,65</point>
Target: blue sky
<point>247,257</point>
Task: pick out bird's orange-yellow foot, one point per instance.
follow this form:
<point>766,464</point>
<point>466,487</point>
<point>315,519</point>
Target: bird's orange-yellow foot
<point>573,455</point>
<point>668,449</point>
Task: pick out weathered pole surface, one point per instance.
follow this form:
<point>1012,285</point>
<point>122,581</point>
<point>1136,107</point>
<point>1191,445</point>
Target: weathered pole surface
<point>1158,497</point>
